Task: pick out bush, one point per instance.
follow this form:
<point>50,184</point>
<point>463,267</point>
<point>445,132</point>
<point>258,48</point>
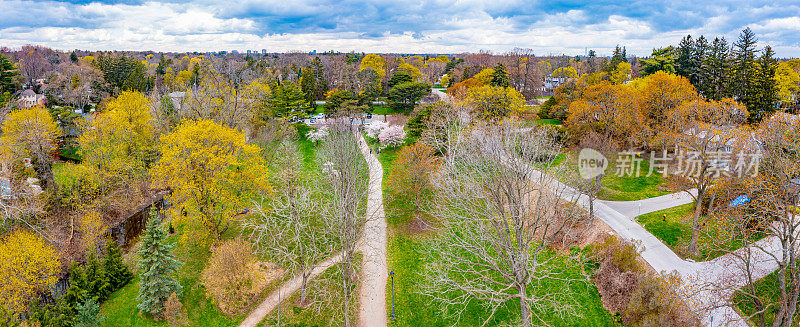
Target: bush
<point>173,311</point>
<point>232,276</point>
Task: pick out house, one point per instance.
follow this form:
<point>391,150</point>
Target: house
<point>551,83</point>
<point>29,99</point>
<point>177,99</point>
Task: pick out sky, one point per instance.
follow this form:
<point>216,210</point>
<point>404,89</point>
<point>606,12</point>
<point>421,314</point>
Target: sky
<point>397,26</point>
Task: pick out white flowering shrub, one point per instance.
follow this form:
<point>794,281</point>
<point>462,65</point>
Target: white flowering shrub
<point>374,129</point>
<point>393,135</point>
<point>316,135</point>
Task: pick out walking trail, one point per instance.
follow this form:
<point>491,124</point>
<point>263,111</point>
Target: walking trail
<point>372,245</point>
<point>374,272</point>
<point>708,285</point>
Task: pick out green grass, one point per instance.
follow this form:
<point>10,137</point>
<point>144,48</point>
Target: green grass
<point>768,292</point>
<point>386,110</point>
<point>674,231</point>
<point>407,258</point>
<point>121,310</point>
<point>548,122</point>
<point>631,188</point>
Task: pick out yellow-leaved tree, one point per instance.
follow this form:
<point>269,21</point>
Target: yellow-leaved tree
<point>213,174</point>
<point>28,265</point>
<point>494,102</point>
<point>31,133</point>
<point>119,142</point>
<point>374,62</point>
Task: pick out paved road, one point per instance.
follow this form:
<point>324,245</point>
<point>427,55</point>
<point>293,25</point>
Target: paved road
<point>632,209</point>
<point>374,271</point>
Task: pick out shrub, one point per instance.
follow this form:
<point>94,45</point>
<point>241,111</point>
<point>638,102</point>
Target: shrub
<point>232,276</point>
<point>173,311</point>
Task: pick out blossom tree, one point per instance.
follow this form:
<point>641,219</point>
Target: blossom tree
<point>393,135</point>
<point>374,129</point>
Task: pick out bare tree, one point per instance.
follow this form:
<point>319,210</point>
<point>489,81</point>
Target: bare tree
<point>288,229</point>
<point>345,182</point>
<point>500,217</point>
<point>606,146</point>
<point>770,214</point>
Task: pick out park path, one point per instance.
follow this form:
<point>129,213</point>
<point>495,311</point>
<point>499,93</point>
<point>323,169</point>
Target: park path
<point>374,268</point>
<point>285,291</point>
<point>708,285</point>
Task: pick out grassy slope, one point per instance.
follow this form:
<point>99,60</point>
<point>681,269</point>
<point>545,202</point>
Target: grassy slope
<point>407,259</point>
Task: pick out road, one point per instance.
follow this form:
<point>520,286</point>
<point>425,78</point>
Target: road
<point>374,268</point>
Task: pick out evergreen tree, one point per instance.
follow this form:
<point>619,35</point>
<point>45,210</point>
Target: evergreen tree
<point>97,280</point>
<point>699,54</point>
<point>88,314</point>
<point>400,77</point>
<point>766,90</point>
<point>79,288</point>
<point>308,84</point>
<point>500,76</point>
<point>714,71</point>
<point>617,57</point>
<point>118,274</point>
<point>684,62</point>
<point>9,75</point>
<point>73,57</point>
<point>742,86</point>
<point>156,265</point>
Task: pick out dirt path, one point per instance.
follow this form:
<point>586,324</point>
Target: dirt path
<point>374,271</point>
<point>285,291</point>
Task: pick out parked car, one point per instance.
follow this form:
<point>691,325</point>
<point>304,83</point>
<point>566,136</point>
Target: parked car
<point>369,115</point>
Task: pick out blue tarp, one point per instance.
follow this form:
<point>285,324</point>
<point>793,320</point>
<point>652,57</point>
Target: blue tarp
<point>742,199</point>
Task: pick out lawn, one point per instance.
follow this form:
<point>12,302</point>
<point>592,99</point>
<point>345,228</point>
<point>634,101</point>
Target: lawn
<point>407,258</point>
<point>386,110</point>
<point>768,292</point>
<point>548,122</point>
<point>631,188</point>
<point>121,310</point>
<point>670,225</point>
<point>619,187</point>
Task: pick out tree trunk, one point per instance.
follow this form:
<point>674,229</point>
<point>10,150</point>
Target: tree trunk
<point>523,307</point>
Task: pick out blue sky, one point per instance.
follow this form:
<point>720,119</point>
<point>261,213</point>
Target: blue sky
<point>438,26</point>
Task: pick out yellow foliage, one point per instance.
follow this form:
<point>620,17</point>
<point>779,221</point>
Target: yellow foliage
<point>374,62</point>
<point>568,71</point>
<point>494,102</point>
<point>485,76</point>
<point>28,131</point>
<point>92,227</point>
<point>212,173</point>
<point>410,69</point>
<point>788,81</point>
<point>117,142</point>
<point>28,265</point>
<point>621,74</point>
<point>233,276</point>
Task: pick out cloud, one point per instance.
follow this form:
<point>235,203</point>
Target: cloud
<point>555,27</point>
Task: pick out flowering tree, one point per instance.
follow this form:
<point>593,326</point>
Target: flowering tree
<point>317,135</point>
<point>393,135</point>
<point>375,128</point>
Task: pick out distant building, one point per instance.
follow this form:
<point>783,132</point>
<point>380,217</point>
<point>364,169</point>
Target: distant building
<point>551,83</point>
<point>263,51</point>
<point>29,99</point>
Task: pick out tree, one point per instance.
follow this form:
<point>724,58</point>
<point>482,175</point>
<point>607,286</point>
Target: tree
<point>286,100</point>
<point>498,215</point>
<point>345,181</point>
<point>118,144</point>
<point>123,73</point>
<point>393,135</point>
<point>700,130</point>
<point>661,93</point>
<point>118,273</point>
<point>405,96</point>
<point>500,76</point>
<point>409,184</point>
<point>88,314</point>
<point>334,101</point>
<point>714,77</point>
<point>376,63</point>
<point>494,102</point>
<point>288,228</point>
<point>212,173</point>
<point>608,110</point>
<point>787,80</point>
<point>742,86</point>
<point>28,265</point>
<point>33,133</point>
<point>9,76</point>
<point>156,265</point>
<point>766,92</point>
<point>662,59</point>
<point>686,63</point>
<point>399,77</point>
<point>232,276</point>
